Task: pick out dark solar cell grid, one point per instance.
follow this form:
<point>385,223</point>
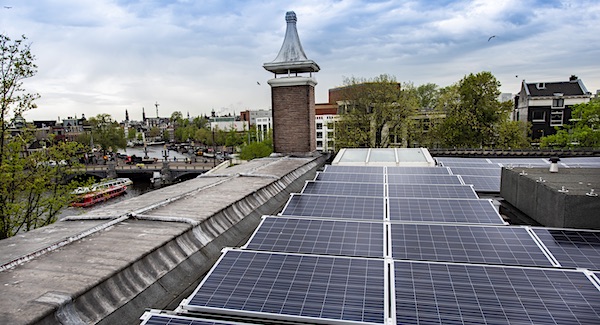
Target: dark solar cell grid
<point>572,248</point>
<point>469,164</point>
<point>350,177</point>
<point>521,161</point>
<point>311,236</point>
<point>424,179</point>
<point>443,210</point>
<point>418,170</point>
<point>583,165</point>
<point>354,169</point>
<point>579,160</point>
<point>179,320</point>
<point>466,244</point>
<point>431,293</point>
<point>458,159</point>
<point>477,171</point>
<point>335,288</point>
<point>431,191</point>
<point>483,183</point>
<point>369,208</point>
<point>349,189</point>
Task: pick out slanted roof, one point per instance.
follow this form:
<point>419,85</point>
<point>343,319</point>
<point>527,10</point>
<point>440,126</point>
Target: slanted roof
<point>566,88</point>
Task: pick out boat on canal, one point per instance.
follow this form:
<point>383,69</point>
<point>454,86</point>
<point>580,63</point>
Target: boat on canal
<point>97,196</point>
<point>102,185</point>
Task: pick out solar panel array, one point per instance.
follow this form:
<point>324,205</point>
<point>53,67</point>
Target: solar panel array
<point>374,250</point>
<point>484,174</point>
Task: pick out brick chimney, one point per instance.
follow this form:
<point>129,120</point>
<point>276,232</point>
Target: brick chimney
<point>293,95</point>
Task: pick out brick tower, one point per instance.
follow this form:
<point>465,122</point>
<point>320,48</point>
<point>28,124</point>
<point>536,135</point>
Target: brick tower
<point>293,95</point>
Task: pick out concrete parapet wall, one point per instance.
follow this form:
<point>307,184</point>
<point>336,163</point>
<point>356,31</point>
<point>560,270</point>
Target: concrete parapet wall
<point>151,259</point>
<point>539,194</point>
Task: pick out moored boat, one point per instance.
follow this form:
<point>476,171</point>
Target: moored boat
<point>89,199</point>
<point>103,185</point>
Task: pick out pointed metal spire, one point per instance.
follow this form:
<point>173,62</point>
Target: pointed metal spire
<point>291,57</point>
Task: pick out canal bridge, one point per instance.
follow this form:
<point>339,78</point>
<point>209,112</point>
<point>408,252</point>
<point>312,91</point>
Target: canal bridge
<point>168,171</point>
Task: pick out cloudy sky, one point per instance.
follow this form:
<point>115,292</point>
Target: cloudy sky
<point>108,56</point>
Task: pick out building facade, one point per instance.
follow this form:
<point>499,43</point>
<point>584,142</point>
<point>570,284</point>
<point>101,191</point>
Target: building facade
<point>547,105</point>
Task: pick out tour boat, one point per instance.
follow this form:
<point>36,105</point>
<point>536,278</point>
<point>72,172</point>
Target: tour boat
<point>89,199</point>
<point>103,185</point>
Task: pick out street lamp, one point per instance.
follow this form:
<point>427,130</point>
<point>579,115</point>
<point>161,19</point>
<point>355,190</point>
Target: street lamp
<point>165,152</point>
<point>214,149</point>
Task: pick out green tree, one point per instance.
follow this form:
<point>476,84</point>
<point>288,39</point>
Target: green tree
<point>258,149</point>
<point>154,132</point>
<point>372,110</point>
<point>131,134</point>
<point>513,135</point>
<point>31,189</point>
<point>106,133</point>
<point>584,132</point>
<point>427,95</point>
<point>233,139</point>
<point>472,112</point>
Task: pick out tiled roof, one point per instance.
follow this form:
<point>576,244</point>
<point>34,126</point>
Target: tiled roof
<point>567,88</point>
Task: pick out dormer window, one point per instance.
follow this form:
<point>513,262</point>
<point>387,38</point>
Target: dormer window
<point>541,85</point>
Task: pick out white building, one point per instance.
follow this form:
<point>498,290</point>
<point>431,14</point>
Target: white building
<point>263,125</point>
<point>325,129</point>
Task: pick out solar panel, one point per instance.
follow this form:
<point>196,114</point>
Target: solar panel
<point>309,288</point>
<point>368,208</point>
<point>477,171</point>
<point>338,188</point>
<point>182,320</point>
<point>522,162</point>
<point>310,236</point>
<point>483,183</point>
<point>468,164</point>
<point>467,244</point>
<point>444,210</point>
<point>418,170</point>
<point>460,159</point>
<point>431,191</point>
<point>424,179</point>
<point>572,248</point>
<point>354,169</point>
<point>350,177</point>
<point>437,293</point>
<point>577,160</point>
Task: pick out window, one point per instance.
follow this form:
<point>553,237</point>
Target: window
<point>558,102</point>
<point>556,118</point>
<point>538,116</point>
<point>319,126</point>
<point>320,144</point>
<point>319,135</point>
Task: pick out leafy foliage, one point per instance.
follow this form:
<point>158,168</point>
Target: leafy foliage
<point>374,109</point>
<point>31,188</point>
<point>105,132</point>
<point>585,132</point>
<point>473,112</point>
<point>258,149</point>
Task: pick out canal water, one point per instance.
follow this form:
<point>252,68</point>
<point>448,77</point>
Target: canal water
<point>139,186</point>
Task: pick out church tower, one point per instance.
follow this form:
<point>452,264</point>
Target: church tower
<point>293,95</point>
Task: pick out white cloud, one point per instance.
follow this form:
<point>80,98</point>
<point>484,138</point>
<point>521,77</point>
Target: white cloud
<point>108,56</point>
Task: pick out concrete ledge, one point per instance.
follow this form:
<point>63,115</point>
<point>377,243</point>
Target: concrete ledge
<point>151,260</point>
<point>539,194</point>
